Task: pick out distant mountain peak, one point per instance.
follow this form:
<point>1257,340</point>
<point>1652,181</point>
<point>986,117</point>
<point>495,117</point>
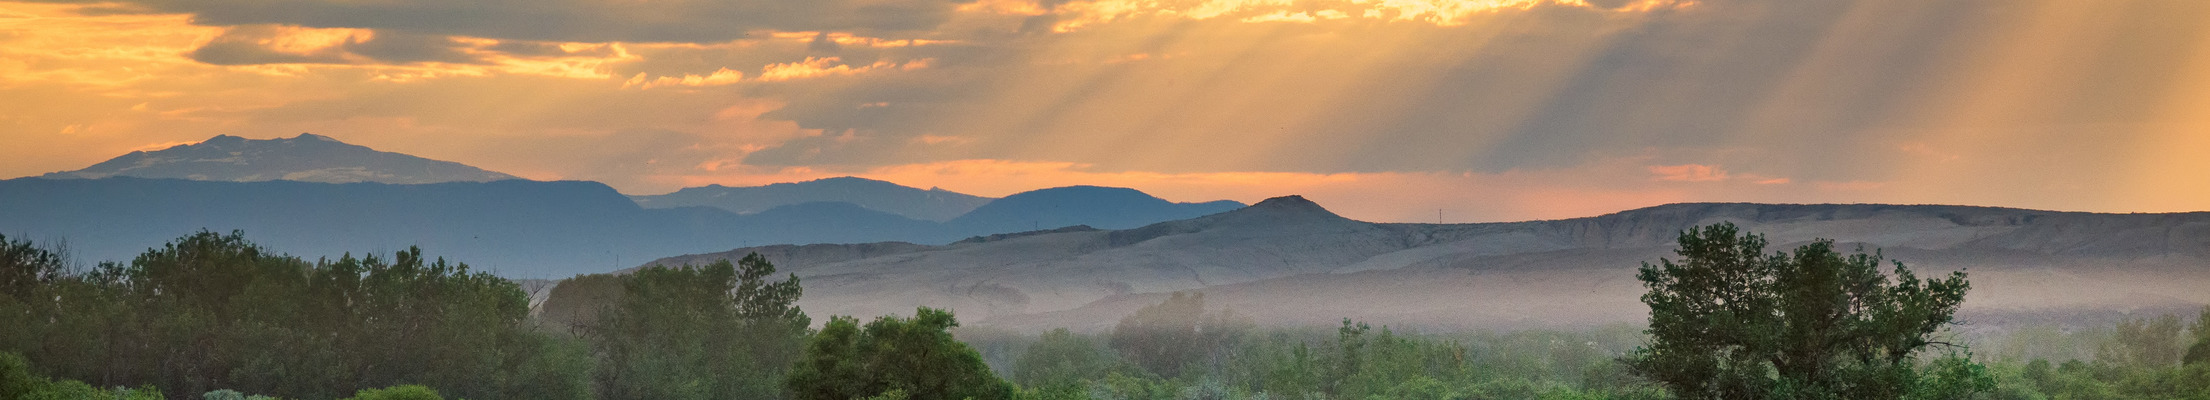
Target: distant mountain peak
<point>1291,203</point>
<point>218,140</point>
<point>929,205</point>
<point>1097,206</point>
<point>307,157</point>
<point>1285,208</point>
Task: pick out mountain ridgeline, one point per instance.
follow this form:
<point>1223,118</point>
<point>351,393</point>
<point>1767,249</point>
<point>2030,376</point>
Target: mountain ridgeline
<point>307,157</point>
<point>318,195</point>
<point>517,228</point>
<point>932,204</point>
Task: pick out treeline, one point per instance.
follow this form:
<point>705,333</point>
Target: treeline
<point>213,312</point>
<point>2155,357</point>
<point>213,316</point>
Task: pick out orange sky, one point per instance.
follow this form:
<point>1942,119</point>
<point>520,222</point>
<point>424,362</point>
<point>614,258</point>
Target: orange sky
<point>1386,110</point>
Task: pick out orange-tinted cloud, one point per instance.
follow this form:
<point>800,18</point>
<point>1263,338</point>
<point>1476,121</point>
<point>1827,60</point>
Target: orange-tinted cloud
<point>1688,173</point>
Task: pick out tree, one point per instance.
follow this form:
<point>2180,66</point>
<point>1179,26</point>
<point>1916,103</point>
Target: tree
<point>894,358</point>
<point>211,311</point>
<point>1060,359</point>
<point>17,382</point>
<point>1729,320</point>
<point>2199,353</point>
<point>401,392</point>
<point>1163,338</point>
<point>2152,342</point>
<point>720,331</point>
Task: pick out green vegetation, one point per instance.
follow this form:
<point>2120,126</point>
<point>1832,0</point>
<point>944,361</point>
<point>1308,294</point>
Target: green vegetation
<point>401,392</point>
<point>894,358</point>
<point>1352,361</point>
<point>217,316</point>
<point>211,312</point>
<point>1732,321</point>
<point>698,333</point>
<point>18,382</point>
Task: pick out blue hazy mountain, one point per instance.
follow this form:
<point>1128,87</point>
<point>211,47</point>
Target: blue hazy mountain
<point>1095,206</point>
<point>514,227</point>
<point>930,204</point>
<point>518,228</point>
<point>315,196</point>
<point>307,157</point>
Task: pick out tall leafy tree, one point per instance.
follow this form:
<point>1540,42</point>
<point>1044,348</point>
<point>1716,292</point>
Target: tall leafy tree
<point>2199,353</point>
<point>894,357</point>
<point>2153,342</point>
<point>721,331</point>
<point>1729,320</point>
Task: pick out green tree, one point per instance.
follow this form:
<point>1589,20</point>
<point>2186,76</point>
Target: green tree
<point>30,277</point>
<point>19,382</point>
<point>2199,353</point>
<point>1166,337</point>
<point>401,392</point>
<point>894,358</point>
<point>2153,342</point>
<point>211,311</point>
<point>574,304</point>
<point>721,331</point>
<point>1061,359</point>
<point>1728,320</point>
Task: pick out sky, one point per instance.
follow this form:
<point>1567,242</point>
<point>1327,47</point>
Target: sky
<point>1382,110</point>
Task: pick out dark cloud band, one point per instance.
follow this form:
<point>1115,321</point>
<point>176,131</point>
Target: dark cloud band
<point>691,21</point>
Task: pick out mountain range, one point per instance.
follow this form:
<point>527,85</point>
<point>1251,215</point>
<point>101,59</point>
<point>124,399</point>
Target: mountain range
<point>519,228</point>
<point>1078,256</point>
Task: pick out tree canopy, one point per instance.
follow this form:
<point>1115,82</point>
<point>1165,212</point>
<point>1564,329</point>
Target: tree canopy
<point>894,357</point>
<point>719,331</point>
<point>1729,320</point>
<point>212,311</point>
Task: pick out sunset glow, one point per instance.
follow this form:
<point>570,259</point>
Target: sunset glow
<point>1383,110</point>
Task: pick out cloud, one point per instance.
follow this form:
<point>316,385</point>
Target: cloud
<point>829,66</point>
<point>401,48</point>
<point>278,44</point>
<point>1688,173</point>
<point>684,21</point>
<point>270,44</point>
